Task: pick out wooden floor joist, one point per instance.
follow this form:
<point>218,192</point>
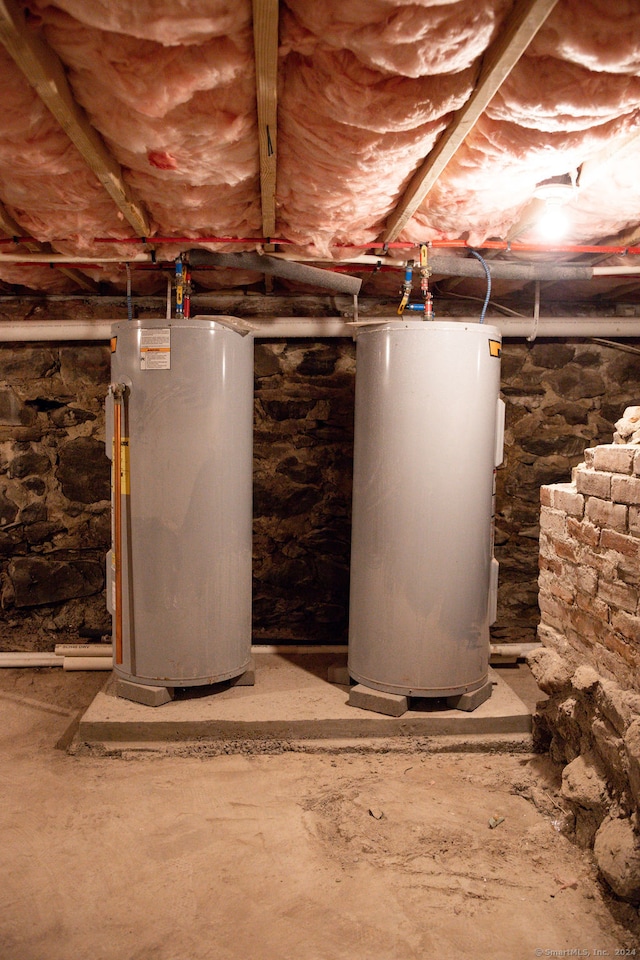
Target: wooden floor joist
<point>518,30</point>
<point>265,40</point>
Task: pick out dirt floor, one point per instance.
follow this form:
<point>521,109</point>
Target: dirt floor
<point>297,856</point>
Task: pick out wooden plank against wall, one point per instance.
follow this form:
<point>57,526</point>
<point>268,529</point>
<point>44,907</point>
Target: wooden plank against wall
<point>525,20</point>
<point>265,41</point>
<point>45,72</point>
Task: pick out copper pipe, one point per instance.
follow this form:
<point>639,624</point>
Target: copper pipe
<point>117,516</point>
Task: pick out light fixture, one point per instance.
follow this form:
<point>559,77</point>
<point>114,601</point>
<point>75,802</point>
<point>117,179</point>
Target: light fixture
<point>556,192</point>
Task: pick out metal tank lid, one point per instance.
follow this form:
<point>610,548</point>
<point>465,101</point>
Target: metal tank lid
<point>443,326</point>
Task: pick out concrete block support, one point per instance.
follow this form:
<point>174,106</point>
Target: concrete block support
<point>142,693</point>
<point>246,679</point>
<point>469,701</point>
<point>338,673</point>
<point>391,704</point>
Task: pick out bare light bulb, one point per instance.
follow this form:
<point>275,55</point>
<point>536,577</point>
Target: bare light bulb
<point>554,222</point>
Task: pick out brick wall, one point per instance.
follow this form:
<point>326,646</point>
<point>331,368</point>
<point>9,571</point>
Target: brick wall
<point>589,584</point>
<point>589,596</point>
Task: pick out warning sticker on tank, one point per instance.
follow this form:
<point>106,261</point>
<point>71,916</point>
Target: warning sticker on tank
<point>125,481</point>
<point>495,347</point>
<point>155,349</point>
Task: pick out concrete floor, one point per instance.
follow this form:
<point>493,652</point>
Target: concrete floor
<point>359,852</point>
<point>292,700</point>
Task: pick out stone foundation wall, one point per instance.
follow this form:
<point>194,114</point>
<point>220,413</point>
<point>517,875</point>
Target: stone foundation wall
<point>54,476</point>
<point>590,627</point>
<point>561,397</point>
<point>54,494</point>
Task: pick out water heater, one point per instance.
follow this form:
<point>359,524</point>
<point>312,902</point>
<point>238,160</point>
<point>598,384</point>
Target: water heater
<point>179,432</point>
<point>428,435</point>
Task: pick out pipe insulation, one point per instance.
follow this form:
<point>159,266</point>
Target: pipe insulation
<point>289,269</point>
<point>499,269</point>
<point>506,270</point>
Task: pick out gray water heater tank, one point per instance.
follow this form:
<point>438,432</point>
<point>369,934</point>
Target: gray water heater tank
<point>186,500</point>
<point>427,439</point>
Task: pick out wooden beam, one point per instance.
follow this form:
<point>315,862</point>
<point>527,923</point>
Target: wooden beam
<point>265,41</point>
<point>45,72</point>
<point>525,20</point>
<point>11,227</point>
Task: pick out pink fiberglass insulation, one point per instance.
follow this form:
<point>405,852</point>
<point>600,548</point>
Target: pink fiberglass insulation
<point>36,277</point>
<point>365,90</point>
<point>177,111</point>
<point>46,186</point>
<point>575,91</point>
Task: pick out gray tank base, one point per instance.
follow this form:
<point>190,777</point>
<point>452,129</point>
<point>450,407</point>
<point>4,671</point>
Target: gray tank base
<point>246,679</point>
<point>143,693</point>
<point>156,696</point>
<point>338,673</point>
<point>469,701</point>
<point>379,701</point>
<point>397,704</point>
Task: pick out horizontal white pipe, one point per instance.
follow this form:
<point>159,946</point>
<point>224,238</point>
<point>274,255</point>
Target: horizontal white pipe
<point>615,271</point>
<point>512,649</point>
<point>87,663</point>
<point>20,659</point>
<point>84,650</point>
<point>298,649</point>
<point>66,258</point>
<point>462,266</point>
<point>26,659</point>
<point>15,330</point>
<point>295,327</point>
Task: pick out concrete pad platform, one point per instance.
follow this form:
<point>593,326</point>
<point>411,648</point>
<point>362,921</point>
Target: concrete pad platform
<point>291,700</point>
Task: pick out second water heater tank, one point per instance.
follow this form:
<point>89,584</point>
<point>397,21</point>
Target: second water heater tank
<point>426,424</point>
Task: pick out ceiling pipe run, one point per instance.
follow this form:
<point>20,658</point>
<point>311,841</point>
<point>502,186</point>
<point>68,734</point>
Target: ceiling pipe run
<point>499,269</point>
<point>302,327</point>
<point>507,245</point>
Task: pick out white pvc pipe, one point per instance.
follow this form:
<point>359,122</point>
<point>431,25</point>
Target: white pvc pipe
<point>15,330</point>
<point>87,663</point>
<point>296,649</point>
<point>84,650</point>
<point>321,327</point>
<point>523,268</point>
<point>25,659</point>
<point>66,258</point>
<point>512,649</point>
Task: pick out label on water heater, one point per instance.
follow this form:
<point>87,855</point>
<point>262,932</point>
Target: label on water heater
<point>155,349</point>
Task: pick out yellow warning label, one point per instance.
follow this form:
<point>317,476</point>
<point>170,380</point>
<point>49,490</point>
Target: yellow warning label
<point>495,347</point>
<point>125,480</point>
<point>114,344</point>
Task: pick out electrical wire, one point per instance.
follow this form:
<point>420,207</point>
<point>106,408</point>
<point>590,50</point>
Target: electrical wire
<point>484,263</point>
<point>625,347</point>
<point>492,303</point>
